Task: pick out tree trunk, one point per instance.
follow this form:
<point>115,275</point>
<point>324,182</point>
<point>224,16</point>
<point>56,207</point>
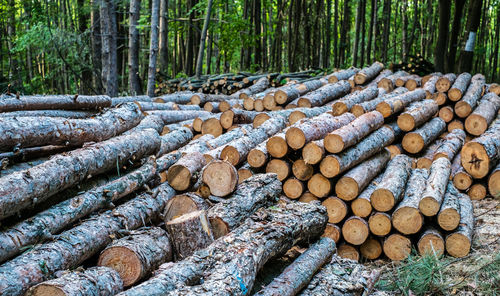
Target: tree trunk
<point>361,108</point>
<point>455,33</point>
<point>396,104</point>
<point>96,46</point>
<point>346,27</point>
<point>435,189</point>
<point>416,141</point>
<point>334,164</point>
<point>39,183</point>
<point>64,102</point>
<point>474,18</point>
<point>416,114</point>
<point>458,243</point>
<point>380,223</point>
<point>444,24</point>
<point>183,173</point>
<point>451,145</point>
<point>479,120</point>
<point>355,230</point>
<point>153,47</point>
<point>350,134</point>
<point>449,214</point>
<point>199,61</point>
<point>387,22</point>
<point>355,48</point>
<point>461,179</point>
<point>466,105</point>
<point>372,31</point>
<point>137,254</point>
<point>298,274</point>
<point>163,44</point>
<point>93,281</point>
<point>50,113</point>
<point>390,190</point>
<point>133,53</point>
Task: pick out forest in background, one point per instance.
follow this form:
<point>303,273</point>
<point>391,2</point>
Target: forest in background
<point>114,46</point>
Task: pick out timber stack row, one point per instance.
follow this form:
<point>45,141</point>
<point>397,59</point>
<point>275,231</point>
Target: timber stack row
<point>193,192</point>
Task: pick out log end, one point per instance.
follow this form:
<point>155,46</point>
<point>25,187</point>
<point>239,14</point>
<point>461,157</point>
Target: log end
<point>293,188</point>
<point>380,224</point>
<point>312,153</point>
<point>124,261</point>
<point>407,220</point>
<point>463,181</point>
<point>231,155</point>
<point>475,160</point>
<point>382,199</point>
<point>243,174</point>
<point>280,97</point>
<point>248,103</point>
<point>195,100</point>
<point>347,188</point>
<point>304,103</point>
<point>357,110</point>
<point>269,102</point>
<point>256,158</point>
<point>339,108</point>
<point>179,177</point>
<point>429,206</point>
<point>332,231</point>
<point>330,166</point>
<point>197,123</point>
<point>279,167</point>
<point>397,247</point>
<point>431,243</point>
<point>494,184</point>
<point>221,177</point>
<point>457,245</point>
<point>219,227</point>
<point>295,116</point>
<point>295,138</point>
<point>448,219</point>
<point>406,122</point>
<point>477,191</point>
<point>355,230</point>
<point>348,252</point>
<point>307,197</point>
<point>462,109</point>
<point>413,143</point>
<point>384,108</point>
<point>361,207</point>
<point>371,249</point>
<point>180,205</point>
<point>277,147</point>
<point>336,209</point>
<point>260,119</point>
<point>227,119</point>
<point>334,143</point>
<point>224,106</point>
<point>211,126</point>
<point>302,170</point>
<point>359,78</point>
<point>454,94</point>
<point>476,124</point>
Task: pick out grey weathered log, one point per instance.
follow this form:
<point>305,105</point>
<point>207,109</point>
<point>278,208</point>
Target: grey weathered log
<point>259,86</point>
<point>150,106</point>
<point>416,141</point>
<point>416,114</point>
<point>451,145</point>
<point>152,122</point>
<point>461,179</point>
<point>362,206</point>
<point>174,140</point>
<point>469,101</point>
<point>49,113</point>
<point>393,105</point>
<point>324,94</point>
<point>459,243</point>
<point>368,73</point>
<point>459,87</point>
<point>169,116</point>
<point>286,94</point>
<point>342,75</point>
<point>63,102</point>
<point>358,109</point>
<point>449,213</point>
<point>345,104</point>
<point>26,188</point>
<point>479,120</point>
<point>435,189</point>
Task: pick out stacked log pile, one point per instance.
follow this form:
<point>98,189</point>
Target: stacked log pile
<point>175,194</point>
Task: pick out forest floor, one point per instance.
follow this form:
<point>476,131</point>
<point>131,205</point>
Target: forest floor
<point>476,274</point>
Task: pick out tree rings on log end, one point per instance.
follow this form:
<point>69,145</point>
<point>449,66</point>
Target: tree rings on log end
<point>243,174</point>
<point>231,155</point>
<point>307,197</point>
<point>348,252</point>
<point>295,138</point>
<point>397,247</point>
<point>197,124</point>
<point>406,122</point>
<point>371,249</point>
<point>256,158</point>
<point>293,188</point>
<point>211,126</point>
<point>124,261</point>
<point>277,147</point>
<point>295,116</point>
<point>454,94</point>
<point>179,177</point>
<point>382,200</point>
<point>407,220</point>
<point>462,109</point>
<point>476,124</point>
<point>477,191</point>
<point>457,245</point>
<point>248,103</point>
<point>279,167</point>
<point>413,143</point>
<point>319,185</point>
<point>332,231</point>
<point>221,177</point>
<point>380,224</point>
<point>429,206</point>
<point>260,119</point>
<point>494,183</point>
<point>462,181</point>
<point>448,219</point>
<point>330,166</point>
<point>334,143</point>
<point>361,207</point>
<point>335,208</point>
<point>475,160</point>
<point>431,243</point>
<point>301,170</point>
<point>227,119</point>
<point>312,153</point>
<point>355,230</point>
<point>347,188</point>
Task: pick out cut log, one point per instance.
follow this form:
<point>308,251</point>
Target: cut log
<point>351,184</point>
<point>189,232</point>
<point>248,103</point>
<point>334,164</point>
<point>221,177</point>
<point>446,113</point>
<point>280,167</point>
<point>259,86</point>
<point>380,223</point>
<point>211,126</point>
<point>449,214</point>
<point>426,78</point>
<point>351,133</point>
<point>394,149</point>
<point>425,161</point>
<point>342,75</point>
<point>254,193</point>
<point>390,190</point>
<point>431,242</point>
<point>371,249</point>
<point>75,245</point>
<point>201,98</point>
<point>413,83</point>
<point>459,87</point>
<point>368,106</point>
<point>494,182</point>
<point>451,145</point>
<point>332,231</point>
<point>417,114</point>
<point>355,230</point>
<point>184,172</point>
<point>458,243</point>
<point>302,170</point>
<point>481,155</point>
<point>440,98</point>
<point>319,185</point>
<point>258,105</point>
<point>101,281</point>
<point>345,104</point>
<point>272,232</point>
<point>299,113</point>
<point>324,94</point>
<point>347,251</point>
<point>389,82</point>
<point>137,254</point>
<point>477,191</point>
<point>397,247</point>
<point>174,140</point>
<point>258,156</point>
<point>182,97</point>
<point>50,113</point>
<point>298,274</point>
<point>63,102</point>
<point>197,145</point>
<point>149,106</point>
<point>313,152</point>
<point>307,197</point>
<point>244,172</point>
<point>368,73</point>
<point>182,204</point>
<point>461,179</point>
<point>362,206</point>
<point>276,145</point>
<point>396,104</point>
<point>286,94</point>
<point>234,116</point>
<point>435,189</point>
<point>293,188</point>
<point>494,88</point>
<point>479,120</point>
<point>169,117</point>
<point>228,104</point>
<point>23,189</point>
<point>430,86</point>
<point>416,141</point>
<point>336,209</point>
<point>466,105</point>
<point>455,124</point>
<point>445,82</point>
<point>26,132</point>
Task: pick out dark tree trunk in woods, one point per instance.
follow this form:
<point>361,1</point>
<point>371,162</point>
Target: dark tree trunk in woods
<point>133,53</point>
<point>335,34</point>
<point>444,23</point>
<point>326,47</point>
<point>357,33</point>
<point>163,47</point>
<point>13,63</point>
<point>387,22</point>
<point>467,54</point>
<point>199,62</point>
<point>455,33</point>
<point>494,72</point>
<point>153,47</point>
<point>363,32</point>
<point>258,30</point>
<point>372,32</point>
<point>188,65</point>
<point>96,46</point>
<point>346,26</point>
<point>109,72</point>
<point>405,48</point>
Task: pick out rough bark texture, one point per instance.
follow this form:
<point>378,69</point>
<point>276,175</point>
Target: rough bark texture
<point>50,113</point>
<point>449,213</point>
<point>351,133</point>
<point>416,141</point>
<point>417,114</point>
<point>22,189</point>
<point>72,247</point>
<point>431,242</point>
<point>315,128</point>
<point>102,281</point>
<point>298,274</point>
<point>445,82</point>
<point>406,218</point>
<point>63,102</point>
<point>324,94</point>
<point>184,172</point>
<point>286,94</point>
<point>150,106</point>
<point>182,204</point>
<point>354,181</point>
<point>257,87</point>
<point>436,187</point>
<point>458,243</point>
<point>390,190</point>
<point>345,104</point>
<point>174,140</point>
<point>335,164</point>
<point>362,206</point>
<point>340,277</point>
<point>479,120</point>
<point>368,73</point>
<point>137,254</point>
<point>252,194</point>
<point>396,104</point>
<point>430,86</point>
<point>151,122</point>
<point>451,145</point>
<point>270,232</point>
<point>26,132</point>
<point>169,116</point>
<point>371,105</point>
<point>389,82</point>
<point>469,101</point>
<point>342,75</point>
<point>459,87</point>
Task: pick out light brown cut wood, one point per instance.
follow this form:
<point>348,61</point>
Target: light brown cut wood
<point>455,124</point>
<point>440,98</point>
<point>396,104</point>
<point>336,209</point>
<point>258,105</point>
<point>280,167</point>
<point>486,111</point>
<point>431,242</point>
<point>302,170</point>
<point>461,179</point>
<point>477,191</point>
<point>345,104</point>
<point>182,204</point>
<point>414,82</point>
<point>332,231</point>
<point>221,177</point>
<point>362,206</point>
<point>449,213</point>
<point>446,113</point>
<point>355,230</point>
<point>182,174</point>
<point>425,161</point>
<point>469,101</point>
<point>307,197</point>
<point>342,75</point>
<point>394,150</point>
<point>494,182</point>
<point>293,188</point>
<point>417,114</point>
<point>416,141</point>
<point>313,152</point>
<point>260,119</point>
<point>359,109</point>
<point>211,126</point>
<point>444,83</point>
<point>380,223</point>
<point>371,248</point>
<point>458,243</point>
<point>276,145</point>
<point>368,73</point>
<point>348,251</point>
<point>435,189</point>
<point>459,86</point>
<point>244,173</point>
<point>258,156</point>
<point>397,247</point>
